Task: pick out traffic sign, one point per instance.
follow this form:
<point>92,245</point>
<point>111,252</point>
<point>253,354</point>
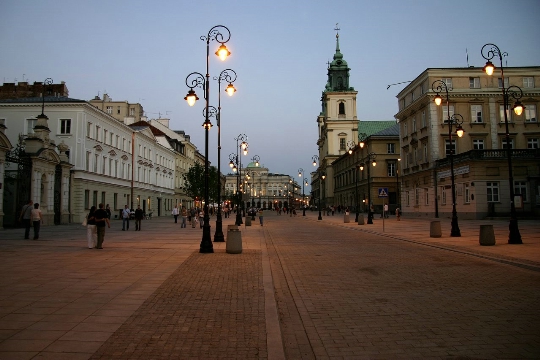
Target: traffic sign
<point>383,192</point>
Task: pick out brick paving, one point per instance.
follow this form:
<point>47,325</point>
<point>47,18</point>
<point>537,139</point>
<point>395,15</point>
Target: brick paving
<point>301,289</point>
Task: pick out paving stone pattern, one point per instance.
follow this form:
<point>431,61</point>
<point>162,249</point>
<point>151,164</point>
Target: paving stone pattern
<point>209,308</point>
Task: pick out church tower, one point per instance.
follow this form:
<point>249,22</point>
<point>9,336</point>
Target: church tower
<point>337,122</point>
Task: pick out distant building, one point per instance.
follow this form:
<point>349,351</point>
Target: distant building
<point>480,158</point>
<point>123,111</point>
<point>25,90</point>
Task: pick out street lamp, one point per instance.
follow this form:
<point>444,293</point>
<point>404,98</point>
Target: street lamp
<point>244,146</point>
<point>229,76</point>
<point>323,176</point>
<point>255,159</point>
<point>455,119</point>
<point>398,200</point>
<point>204,82</point>
<point>315,159</point>
<point>369,159</point>
<point>514,237</point>
<point>301,174</point>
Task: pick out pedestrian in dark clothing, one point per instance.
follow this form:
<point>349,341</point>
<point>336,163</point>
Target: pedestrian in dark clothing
<point>26,218</point>
<point>108,211</point>
<point>138,218</point>
<point>101,219</point>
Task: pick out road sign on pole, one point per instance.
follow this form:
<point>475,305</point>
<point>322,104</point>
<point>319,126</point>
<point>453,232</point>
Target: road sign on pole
<point>383,192</point>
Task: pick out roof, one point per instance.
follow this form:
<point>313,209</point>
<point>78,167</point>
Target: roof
<point>143,124</point>
<point>48,99</point>
<point>376,128</point>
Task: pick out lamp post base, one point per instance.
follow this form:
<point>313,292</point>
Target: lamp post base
<point>455,232</point>
<point>218,236</point>
<point>514,237</point>
<point>206,242</point>
<point>320,216</point>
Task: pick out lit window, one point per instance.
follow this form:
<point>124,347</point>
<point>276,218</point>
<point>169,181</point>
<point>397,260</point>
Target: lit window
<point>530,113</point>
<point>476,113</point>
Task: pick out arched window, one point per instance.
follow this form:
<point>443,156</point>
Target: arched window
<point>341,108</point>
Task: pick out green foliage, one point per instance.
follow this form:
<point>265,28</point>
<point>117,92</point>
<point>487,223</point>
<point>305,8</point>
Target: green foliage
<point>194,182</point>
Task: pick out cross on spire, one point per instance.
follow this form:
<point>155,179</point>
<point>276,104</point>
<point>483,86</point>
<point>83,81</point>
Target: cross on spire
<point>337,29</point>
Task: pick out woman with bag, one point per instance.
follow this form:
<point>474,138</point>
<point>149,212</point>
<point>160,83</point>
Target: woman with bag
<point>91,230</point>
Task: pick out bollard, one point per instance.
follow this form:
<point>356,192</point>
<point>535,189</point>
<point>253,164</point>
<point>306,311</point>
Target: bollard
<point>360,219</point>
<point>487,235</point>
<point>435,229</point>
<point>347,218</point>
<point>231,227</point>
<point>234,241</point>
<point>248,221</point>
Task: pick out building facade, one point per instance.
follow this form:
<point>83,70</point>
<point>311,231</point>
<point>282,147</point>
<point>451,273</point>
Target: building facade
<point>480,160</point>
<point>122,111</point>
<point>92,158</point>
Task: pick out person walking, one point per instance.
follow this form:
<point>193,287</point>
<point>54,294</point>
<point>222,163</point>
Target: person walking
<point>108,211</point>
<point>201,218</point>
<point>138,218</point>
<point>175,213</point>
<point>26,218</point>
<point>398,214</point>
<point>91,231</point>
<point>261,216</point>
<point>184,217</point>
<point>125,218</point>
<point>386,211</point>
<point>101,219</point>
<point>37,220</point>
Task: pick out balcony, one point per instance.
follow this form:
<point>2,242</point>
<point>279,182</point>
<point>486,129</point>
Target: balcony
<point>498,154</point>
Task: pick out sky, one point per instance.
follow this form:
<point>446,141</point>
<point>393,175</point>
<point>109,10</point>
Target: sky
<point>142,51</point>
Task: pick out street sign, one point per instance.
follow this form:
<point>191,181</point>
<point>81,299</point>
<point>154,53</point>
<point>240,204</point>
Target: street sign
<point>383,192</point>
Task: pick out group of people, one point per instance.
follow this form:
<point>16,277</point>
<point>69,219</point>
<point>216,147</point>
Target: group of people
<point>31,217</point>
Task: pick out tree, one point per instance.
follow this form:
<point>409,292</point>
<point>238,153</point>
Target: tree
<point>194,182</point>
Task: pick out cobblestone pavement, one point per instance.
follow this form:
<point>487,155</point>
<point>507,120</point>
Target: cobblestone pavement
<point>301,289</point>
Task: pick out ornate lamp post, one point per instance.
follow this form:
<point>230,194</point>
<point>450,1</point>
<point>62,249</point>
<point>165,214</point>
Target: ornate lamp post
<point>315,159</point>
<point>398,200</point>
<point>369,159</point>
<point>244,146</point>
<point>301,175</point>
<point>455,119</point>
<point>255,159</point>
<point>229,76</point>
<point>198,80</point>
<point>492,50</point>
<point>323,176</point>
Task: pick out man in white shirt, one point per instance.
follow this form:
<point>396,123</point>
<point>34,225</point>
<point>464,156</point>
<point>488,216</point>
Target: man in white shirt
<point>125,218</point>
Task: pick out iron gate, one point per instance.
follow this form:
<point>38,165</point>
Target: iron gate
<point>17,191</point>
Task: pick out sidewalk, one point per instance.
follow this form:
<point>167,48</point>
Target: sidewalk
<point>418,231</point>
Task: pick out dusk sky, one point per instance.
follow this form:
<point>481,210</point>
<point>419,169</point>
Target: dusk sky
<point>142,51</point>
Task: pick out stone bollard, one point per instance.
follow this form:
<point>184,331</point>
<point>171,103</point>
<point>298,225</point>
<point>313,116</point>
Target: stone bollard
<point>435,229</point>
<point>360,219</point>
<point>234,241</point>
<point>248,221</point>
<point>487,235</point>
<point>347,218</point>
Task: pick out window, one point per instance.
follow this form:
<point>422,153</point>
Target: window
<point>508,114</point>
<point>466,193</point>
<point>407,198</point>
<point>391,167</point>
<point>478,144</point>
<point>103,197</point>
<point>87,199</point>
<point>425,153</point>
<point>474,82</point>
<point>97,133</point>
<point>506,81</point>
<point>528,82</point>
<point>424,119</point>
<point>115,201</point>
<point>341,108</point>
<point>416,196</point>
<point>88,129</point>
<point>342,143</point>
<point>426,196</point>
<point>520,188</point>
<point>109,110</point>
<point>3,122</point>
<point>445,114</point>
<point>131,111</point>
<point>448,82</point>
<point>505,145</point>
<point>118,109</point>
<point>530,113</point>
<point>103,165</point>
<point>414,124</point>
<point>95,203</point>
<point>30,124</point>
<point>105,137</point>
<point>532,143</point>
<point>476,113</point>
<point>65,126</point>
<point>405,130</point>
<point>96,163</point>
<point>391,148</point>
<point>492,189</point>
<point>449,150</point>
<point>88,154</point>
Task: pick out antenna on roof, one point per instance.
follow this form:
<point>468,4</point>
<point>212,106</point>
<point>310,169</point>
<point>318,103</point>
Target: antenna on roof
<point>403,82</point>
<point>467,52</point>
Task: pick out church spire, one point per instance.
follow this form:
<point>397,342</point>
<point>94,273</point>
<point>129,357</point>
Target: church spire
<point>338,70</point>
